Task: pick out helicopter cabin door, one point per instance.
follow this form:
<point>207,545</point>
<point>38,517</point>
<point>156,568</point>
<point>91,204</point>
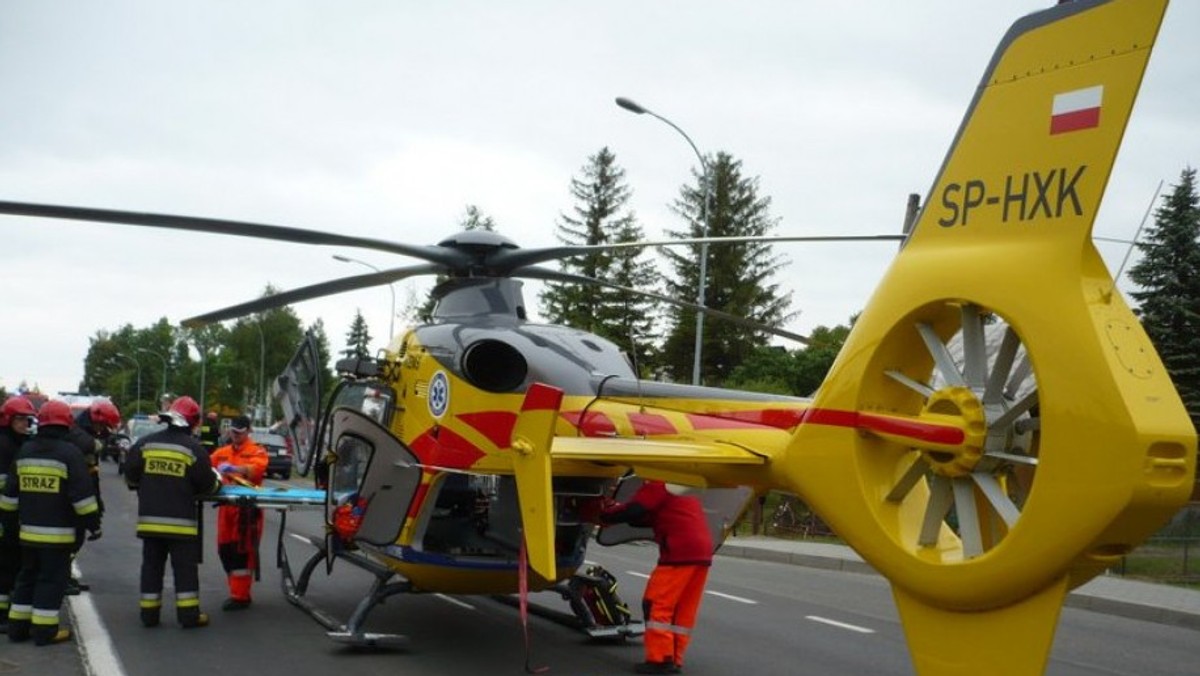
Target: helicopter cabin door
<point>298,391</point>
<point>722,507</point>
<point>373,469</point>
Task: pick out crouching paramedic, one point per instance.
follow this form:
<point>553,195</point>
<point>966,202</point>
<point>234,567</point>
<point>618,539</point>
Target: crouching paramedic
<point>170,469</point>
<point>239,526</point>
<point>52,493</point>
<point>676,586</point>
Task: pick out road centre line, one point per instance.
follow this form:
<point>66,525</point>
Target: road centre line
<point>840,625</point>
<point>450,599</point>
<point>731,597</point>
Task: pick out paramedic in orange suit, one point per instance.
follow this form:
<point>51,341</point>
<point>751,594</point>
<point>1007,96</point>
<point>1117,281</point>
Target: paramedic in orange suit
<point>675,588</point>
<point>239,527</point>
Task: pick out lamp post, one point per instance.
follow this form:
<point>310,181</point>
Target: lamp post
<point>392,322</point>
<point>261,399</point>
<point>203,368</point>
<point>163,359</point>
<point>633,107</point>
<point>138,364</point>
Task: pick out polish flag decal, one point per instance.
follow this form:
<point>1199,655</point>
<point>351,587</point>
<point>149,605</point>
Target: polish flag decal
<point>1076,110</point>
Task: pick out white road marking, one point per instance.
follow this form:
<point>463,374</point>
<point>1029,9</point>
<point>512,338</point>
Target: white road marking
<point>95,645</point>
<point>460,604</point>
<point>731,597</point>
<point>841,625</point>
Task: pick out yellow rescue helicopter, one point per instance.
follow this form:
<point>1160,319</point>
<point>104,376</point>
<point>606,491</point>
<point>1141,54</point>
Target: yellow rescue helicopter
<point>997,430</point>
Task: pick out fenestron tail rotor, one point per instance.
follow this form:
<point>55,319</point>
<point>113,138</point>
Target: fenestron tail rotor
<point>977,489</point>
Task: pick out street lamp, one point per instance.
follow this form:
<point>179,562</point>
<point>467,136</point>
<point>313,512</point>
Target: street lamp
<point>261,399</point>
<point>704,217</point>
<point>164,371</point>
<point>392,323</point>
<point>138,364</point>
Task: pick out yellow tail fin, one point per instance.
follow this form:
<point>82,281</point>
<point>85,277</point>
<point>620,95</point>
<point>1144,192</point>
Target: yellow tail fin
<point>998,427</point>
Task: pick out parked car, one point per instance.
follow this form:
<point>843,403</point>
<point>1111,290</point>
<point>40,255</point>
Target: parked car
<point>279,452</point>
<point>136,427</point>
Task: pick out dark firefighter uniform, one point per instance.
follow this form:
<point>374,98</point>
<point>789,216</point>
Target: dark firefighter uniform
<point>676,586</point>
<point>15,417</point>
<point>239,527</point>
<point>91,439</point>
<point>52,494</point>
<point>169,470</point>
<point>210,432</point>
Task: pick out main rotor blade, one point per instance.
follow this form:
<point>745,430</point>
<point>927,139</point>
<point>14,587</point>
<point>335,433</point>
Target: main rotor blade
<point>433,254</point>
<point>558,276</point>
<point>314,291</point>
<point>513,259</point>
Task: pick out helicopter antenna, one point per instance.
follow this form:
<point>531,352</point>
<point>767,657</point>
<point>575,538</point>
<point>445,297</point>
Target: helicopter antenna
<point>1133,242</point>
<point>637,371</point>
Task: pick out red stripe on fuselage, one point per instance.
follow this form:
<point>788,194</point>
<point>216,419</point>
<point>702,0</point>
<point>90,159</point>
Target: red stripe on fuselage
<point>591,423</point>
<point>918,431</point>
<point>497,426</point>
<point>541,397</point>
<point>649,424</point>
<point>446,449</point>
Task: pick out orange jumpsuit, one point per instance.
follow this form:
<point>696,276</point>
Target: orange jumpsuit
<point>672,598</point>
<point>239,527</point>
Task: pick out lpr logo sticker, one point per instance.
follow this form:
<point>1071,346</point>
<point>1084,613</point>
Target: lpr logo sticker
<point>439,394</point>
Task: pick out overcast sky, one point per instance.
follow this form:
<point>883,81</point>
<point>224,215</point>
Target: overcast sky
<point>385,119</point>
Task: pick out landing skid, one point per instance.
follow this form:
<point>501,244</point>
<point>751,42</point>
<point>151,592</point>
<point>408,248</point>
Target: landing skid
<point>350,632</point>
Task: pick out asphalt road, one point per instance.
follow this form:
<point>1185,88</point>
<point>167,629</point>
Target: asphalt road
<point>758,618</point>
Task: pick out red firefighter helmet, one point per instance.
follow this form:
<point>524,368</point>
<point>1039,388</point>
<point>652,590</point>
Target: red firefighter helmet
<point>55,413</point>
<point>184,412</point>
<point>15,405</point>
<point>105,414</point>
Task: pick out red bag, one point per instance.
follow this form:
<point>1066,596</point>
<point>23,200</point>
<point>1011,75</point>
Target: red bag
<point>347,518</point>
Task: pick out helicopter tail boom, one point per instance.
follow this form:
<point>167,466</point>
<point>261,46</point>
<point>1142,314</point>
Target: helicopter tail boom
<point>998,427</point>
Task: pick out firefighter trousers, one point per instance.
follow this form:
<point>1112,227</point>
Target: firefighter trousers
<point>38,593</point>
<point>670,604</point>
<point>184,554</point>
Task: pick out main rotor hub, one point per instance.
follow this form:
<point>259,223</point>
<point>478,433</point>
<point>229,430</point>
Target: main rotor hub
<point>960,407</point>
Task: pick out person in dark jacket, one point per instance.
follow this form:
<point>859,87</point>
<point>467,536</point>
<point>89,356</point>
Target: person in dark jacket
<point>170,469</point>
<point>210,432</point>
<point>16,418</point>
<point>673,593</point>
<point>52,494</point>
<point>92,432</point>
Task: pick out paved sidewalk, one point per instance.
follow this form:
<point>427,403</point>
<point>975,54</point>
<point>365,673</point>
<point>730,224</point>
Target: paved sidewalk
<point>1159,603</point>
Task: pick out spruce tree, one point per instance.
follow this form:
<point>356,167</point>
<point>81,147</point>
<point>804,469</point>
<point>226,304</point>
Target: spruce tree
<point>738,279</point>
<point>358,340</point>
<point>1169,297</point>
<point>601,216</point>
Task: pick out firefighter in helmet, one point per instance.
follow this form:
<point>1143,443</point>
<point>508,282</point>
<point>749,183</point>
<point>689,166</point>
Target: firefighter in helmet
<point>170,469</point>
<point>52,494</point>
<point>16,419</point>
<point>92,432</point>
